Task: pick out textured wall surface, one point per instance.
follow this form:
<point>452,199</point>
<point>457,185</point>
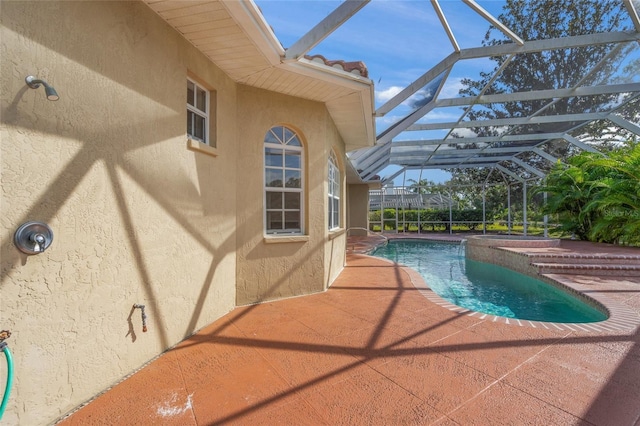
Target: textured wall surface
<point>136,216</point>
<point>358,208</point>
<point>273,268</point>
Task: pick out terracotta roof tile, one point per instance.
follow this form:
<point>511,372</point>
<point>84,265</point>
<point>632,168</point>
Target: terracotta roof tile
<point>354,67</point>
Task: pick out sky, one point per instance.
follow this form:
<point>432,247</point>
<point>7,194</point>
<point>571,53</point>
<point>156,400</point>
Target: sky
<point>398,41</point>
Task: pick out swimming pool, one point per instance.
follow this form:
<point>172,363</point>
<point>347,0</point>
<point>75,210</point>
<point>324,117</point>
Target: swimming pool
<point>485,287</point>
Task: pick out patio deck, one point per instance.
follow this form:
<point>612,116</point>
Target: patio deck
<point>374,351</point>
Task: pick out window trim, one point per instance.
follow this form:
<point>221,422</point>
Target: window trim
<point>282,146</point>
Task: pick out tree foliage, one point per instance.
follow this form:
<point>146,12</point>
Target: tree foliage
<point>598,198</point>
<point>549,69</point>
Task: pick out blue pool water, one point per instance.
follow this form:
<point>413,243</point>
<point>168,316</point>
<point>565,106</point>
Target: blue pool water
<point>485,287</point>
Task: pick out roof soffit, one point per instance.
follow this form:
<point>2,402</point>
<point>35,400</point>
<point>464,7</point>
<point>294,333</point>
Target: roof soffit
<point>235,36</point>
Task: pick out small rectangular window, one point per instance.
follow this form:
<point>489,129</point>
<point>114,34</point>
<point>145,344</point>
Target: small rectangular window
<point>200,113</point>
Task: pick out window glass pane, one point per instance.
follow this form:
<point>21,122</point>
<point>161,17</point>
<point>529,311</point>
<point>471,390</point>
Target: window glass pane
<point>201,99</point>
<point>274,200</point>
<point>292,220</point>
<point>190,93</point>
<point>293,179</point>
<point>199,127</point>
<point>274,220</point>
<point>273,178</point>
<point>271,137</point>
<point>290,138</point>
<point>292,200</point>
<point>272,157</point>
<point>292,160</point>
<point>190,123</point>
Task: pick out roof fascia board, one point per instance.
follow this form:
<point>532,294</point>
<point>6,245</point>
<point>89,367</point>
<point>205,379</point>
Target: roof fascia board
<point>247,14</point>
<point>352,176</point>
<point>325,27</point>
<point>328,74</point>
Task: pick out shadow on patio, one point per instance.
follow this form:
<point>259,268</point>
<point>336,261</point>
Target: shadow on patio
<point>373,350</point>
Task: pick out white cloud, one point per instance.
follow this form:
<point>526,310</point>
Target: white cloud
<point>385,95</point>
<point>465,133</point>
<point>451,88</point>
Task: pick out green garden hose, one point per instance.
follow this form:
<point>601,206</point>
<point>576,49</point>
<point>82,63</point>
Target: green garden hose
<point>7,390</point>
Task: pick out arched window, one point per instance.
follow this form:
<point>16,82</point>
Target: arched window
<point>334,184</point>
<point>283,172</point>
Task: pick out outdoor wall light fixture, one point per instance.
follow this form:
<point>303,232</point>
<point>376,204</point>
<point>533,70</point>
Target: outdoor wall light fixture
<point>34,83</point>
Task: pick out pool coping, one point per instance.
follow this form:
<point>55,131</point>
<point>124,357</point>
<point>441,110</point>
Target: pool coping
<point>620,317</point>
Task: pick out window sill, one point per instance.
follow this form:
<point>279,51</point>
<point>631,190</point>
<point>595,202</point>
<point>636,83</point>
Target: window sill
<point>277,239</point>
<point>334,233</point>
<point>198,146</point>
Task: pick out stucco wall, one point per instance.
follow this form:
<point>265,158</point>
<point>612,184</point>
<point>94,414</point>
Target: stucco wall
<point>272,268</point>
<point>136,216</point>
<point>358,209</point>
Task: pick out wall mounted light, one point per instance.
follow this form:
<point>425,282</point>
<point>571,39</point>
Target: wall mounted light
<point>34,83</point>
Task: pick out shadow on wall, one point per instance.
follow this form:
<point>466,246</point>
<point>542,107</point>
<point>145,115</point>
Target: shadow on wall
<point>115,141</point>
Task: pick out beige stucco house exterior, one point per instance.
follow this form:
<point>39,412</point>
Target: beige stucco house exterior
<point>141,212</point>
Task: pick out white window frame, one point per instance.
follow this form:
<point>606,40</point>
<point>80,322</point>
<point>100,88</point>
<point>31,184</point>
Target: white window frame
<point>199,112</point>
<point>284,136</point>
<point>334,186</point>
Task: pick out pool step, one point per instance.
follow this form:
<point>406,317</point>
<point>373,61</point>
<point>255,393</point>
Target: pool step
<point>600,269</point>
<point>589,259</point>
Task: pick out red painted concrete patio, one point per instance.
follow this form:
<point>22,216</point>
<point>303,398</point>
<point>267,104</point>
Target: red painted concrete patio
<point>374,351</point>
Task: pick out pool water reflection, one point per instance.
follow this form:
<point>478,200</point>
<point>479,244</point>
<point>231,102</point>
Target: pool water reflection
<point>487,288</point>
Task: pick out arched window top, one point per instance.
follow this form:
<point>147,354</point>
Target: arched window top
<point>281,135</point>
<point>333,158</point>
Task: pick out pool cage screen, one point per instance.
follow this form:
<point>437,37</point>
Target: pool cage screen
<point>457,209</point>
